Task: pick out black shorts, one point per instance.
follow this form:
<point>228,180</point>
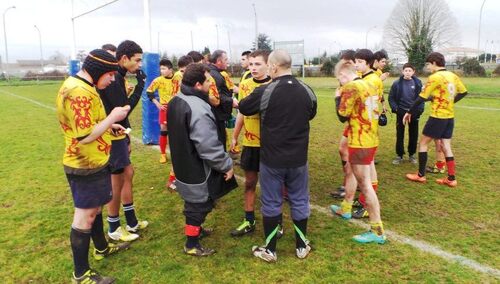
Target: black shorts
<point>91,191</point>
<point>250,158</point>
<point>439,128</point>
<point>120,157</point>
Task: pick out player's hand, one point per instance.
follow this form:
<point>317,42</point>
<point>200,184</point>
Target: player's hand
<point>163,107</point>
<point>234,143</point>
<point>384,76</point>
<point>229,174</point>
<point>119,113</point>
<point>141,77</point>
<point>117,129</point>
<point>337,92</point>
<point>236,90</point>
<point>407,118</point>
<point>235,103</point>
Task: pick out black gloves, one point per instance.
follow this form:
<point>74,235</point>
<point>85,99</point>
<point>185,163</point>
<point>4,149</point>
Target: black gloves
<point>141,77</point>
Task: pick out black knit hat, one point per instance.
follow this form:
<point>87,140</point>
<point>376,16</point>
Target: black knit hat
<point>98,63</point>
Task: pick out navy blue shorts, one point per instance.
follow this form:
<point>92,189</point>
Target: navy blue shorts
<point>120,156</point>
<point>439,128</point>
<point>91,191</point>
<point>250,158</point>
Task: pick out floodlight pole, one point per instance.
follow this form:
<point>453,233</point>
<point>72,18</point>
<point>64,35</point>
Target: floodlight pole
<point>73,18</point>
<point>479,29</point>
<point>366,37</point>
<point>256,28</point>
<point>41,52</point>
<point>192,41</point>
<point>217,31</point>
<point>5,34</point>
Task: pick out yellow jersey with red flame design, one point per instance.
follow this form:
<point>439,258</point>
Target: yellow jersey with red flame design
<point>227,78</point>
<point>251,123</point>
<point>359,102</point>
<point>165,87</point>
<point>79,109</point>
<point>442,86</point>
<point>374,80</point>
<point>176,82</point>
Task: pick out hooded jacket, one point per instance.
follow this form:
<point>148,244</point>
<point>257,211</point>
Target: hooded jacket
<point>197,152</point>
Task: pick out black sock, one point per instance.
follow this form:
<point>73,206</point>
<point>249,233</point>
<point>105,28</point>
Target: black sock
<point>114,222</point>
<point>129,211</point>
<point>192,242</point>
<point>422,162</point>
<point>97,232</point>
<point>271,226</point>
<point>300,233</point>
<point>80,242</point>
<point>250,216</point>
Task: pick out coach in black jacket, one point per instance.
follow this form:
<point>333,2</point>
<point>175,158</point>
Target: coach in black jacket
<point>204,171</point>
<point>218,63</point>
<point>286,105</point>
<point>404,92</point>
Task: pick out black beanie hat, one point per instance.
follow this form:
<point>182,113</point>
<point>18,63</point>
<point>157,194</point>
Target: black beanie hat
<point>98,63</point>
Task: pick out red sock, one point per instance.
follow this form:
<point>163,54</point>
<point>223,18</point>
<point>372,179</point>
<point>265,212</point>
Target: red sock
<point>163,143</point>
<point>440,164</point>
<point>362,198</point>
<point>171,177</point>
<point>450,163</point>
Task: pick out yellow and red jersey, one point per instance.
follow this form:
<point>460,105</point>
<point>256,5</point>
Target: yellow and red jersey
<point>442,87</point>
<point>227,78</point>
<point>79,109</point>
<point>375,82</point>
<point>359,102</point>
<point>251,123</point>
<point>176,82</point>
<point>165,87</point>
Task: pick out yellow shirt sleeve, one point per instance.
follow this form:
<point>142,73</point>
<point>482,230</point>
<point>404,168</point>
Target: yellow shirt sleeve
<point>429,87</point>
<point>153,86</point>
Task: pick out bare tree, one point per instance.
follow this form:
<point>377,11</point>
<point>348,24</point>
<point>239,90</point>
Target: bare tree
<point>417,27</point>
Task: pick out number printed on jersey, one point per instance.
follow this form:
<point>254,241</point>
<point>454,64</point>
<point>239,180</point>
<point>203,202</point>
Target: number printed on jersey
<point>452,90</point>
<point>371,104</point>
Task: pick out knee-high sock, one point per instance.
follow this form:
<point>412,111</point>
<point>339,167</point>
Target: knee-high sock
<point>300,232</point>
<point>271,227</point>
<point>163,141</point>
<point>97,233</point>
<point>80,242</point>
<point>450,164</point>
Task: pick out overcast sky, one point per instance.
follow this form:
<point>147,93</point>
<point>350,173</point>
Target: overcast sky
<point>323,25</point>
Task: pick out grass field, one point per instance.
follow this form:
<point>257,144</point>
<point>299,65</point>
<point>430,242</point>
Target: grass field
<point>36,207</point>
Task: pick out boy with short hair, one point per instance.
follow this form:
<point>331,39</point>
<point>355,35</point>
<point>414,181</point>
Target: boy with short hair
<point>364,64</point>
<point>404,92</point>
<point>250,156</point>
<point>129,56</point>
<point>87,134</point>
<point>444,88</point>
<point>164,85</point>
<point>356,104</point>
<point>379,64</point>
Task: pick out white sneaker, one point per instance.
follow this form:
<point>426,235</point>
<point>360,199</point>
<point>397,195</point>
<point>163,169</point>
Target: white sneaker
<point>141,225</point>
<point>303,252</point>
<point>122,235</point>
<point>264,254</point>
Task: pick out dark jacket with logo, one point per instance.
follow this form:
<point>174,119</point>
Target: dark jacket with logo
<point>396,90</point>
<point>197,152</point>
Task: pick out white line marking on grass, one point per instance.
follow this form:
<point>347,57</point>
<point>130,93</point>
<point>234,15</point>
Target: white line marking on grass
<point>423,246</point>
<point>480,108</point>
<point>457,106</point>
<point>29,100</point>
<point>419,245</point>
